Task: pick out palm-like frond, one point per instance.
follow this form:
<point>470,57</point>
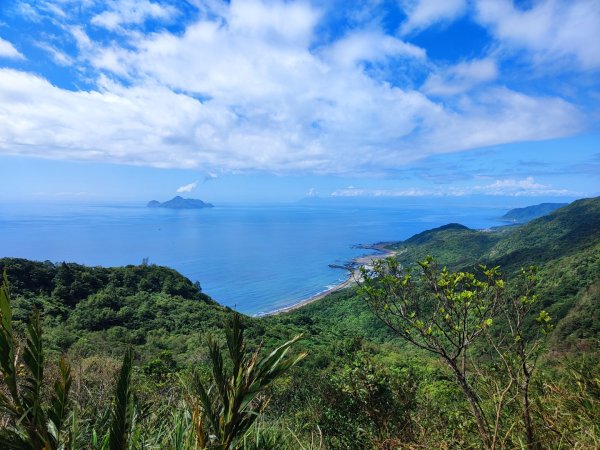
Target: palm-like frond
<point>7,352</point>
<point>30,425</point>
<point>122,412</point>
<point>57,412</point>
<point>230,405</point>
<point>33,359</point>
<point>11,439</point>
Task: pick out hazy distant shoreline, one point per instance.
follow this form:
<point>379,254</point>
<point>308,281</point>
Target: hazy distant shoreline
<point>354,268</point>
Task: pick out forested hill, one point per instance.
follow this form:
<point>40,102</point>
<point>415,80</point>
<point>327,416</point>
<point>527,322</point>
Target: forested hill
<point>568,230</point>
<point>71,283</point>
<point>565,245</point>
<point>522,215</point>
<point>92,310</point>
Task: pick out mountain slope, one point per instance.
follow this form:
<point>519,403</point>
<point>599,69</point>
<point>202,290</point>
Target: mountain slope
<point>522,215</point>
<point>565,245</point>
<point>567,230</point>
<point>452,244</point>
<point>97,310</point>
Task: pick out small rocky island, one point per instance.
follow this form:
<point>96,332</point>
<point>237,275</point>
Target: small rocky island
<point>180,203</point>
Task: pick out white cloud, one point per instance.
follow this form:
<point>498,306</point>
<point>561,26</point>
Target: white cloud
<point>187,187</point>
<point>423,13</point>
<point>250,91</point>
<point>210,176</point>
<point>256,53</point>
<point>506,187</point>
<point>29,12</point>
<point>461,77</point>
<point>523,187</point>
<point>550,29</point>
<point>58,56</point>
<point>370,46</point>
<point>409,192</point>
<point>7,50</point>
<point>147,125</point>
<point>71,194</point>
<point>83,41</point>
<point>125,12</point>
<point>526,184</point>
<point>312,193</point>
<point>288,22</point>
<point>501,115</point>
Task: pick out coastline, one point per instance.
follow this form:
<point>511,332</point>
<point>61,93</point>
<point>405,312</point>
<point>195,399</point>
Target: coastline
<point>353,266</point>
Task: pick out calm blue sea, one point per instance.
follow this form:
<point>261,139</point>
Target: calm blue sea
<point>255,258</point>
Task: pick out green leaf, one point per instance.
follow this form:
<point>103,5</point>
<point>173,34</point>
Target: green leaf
<point>122,412</point>
<point>58,410</point>
<point>229,406</point>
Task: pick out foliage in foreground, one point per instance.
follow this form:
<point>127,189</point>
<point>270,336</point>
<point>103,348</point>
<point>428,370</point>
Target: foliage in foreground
<point>222,413</point>
<point>227,407</point>
<point>30,423</point>
<point>452,315</point>
<point>368,396</point>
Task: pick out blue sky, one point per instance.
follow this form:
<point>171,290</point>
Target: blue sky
<point>270,100</point>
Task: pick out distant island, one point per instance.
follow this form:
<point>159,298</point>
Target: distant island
<point>180,203</point>
<point>522,215</point>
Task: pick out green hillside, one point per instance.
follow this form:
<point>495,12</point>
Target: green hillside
<point>567,230</point>
<point>95,310</point>
<point>522,215</point>
<point>453,244</point>
<point>565,244</point>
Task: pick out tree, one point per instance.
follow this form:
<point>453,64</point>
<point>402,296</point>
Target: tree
<point>517,345</point>
<point>446,313</point>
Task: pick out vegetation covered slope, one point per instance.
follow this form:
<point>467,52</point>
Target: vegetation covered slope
<point>565,245</point>
<point>96,310</point>
<point>567,230</point>
<point>453,244</point>
<point>522,215</point>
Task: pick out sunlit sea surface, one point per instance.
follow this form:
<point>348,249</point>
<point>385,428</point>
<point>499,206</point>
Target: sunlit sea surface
<point>255,258</point>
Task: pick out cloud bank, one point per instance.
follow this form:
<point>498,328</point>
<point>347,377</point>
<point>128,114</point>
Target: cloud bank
<point>526,187</point>
<point>254,86</point>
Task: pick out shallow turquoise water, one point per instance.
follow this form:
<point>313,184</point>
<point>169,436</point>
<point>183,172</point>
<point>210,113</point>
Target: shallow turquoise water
<point>255,258</point>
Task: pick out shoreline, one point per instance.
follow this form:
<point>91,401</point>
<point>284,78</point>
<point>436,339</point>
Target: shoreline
<point>353,266</point>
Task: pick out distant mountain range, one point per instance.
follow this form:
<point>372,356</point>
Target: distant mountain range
<point>180,203</point>
<point>523,215</point>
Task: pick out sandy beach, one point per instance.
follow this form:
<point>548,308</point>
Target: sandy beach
<point>357,263</point>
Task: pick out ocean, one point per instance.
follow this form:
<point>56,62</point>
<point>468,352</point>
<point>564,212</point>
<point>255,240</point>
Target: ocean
<point>255,258</point>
